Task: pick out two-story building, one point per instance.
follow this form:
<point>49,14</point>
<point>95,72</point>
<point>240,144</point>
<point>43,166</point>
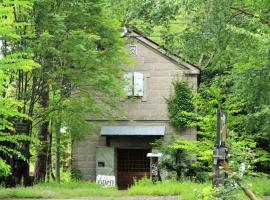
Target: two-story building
<point>120,149</point>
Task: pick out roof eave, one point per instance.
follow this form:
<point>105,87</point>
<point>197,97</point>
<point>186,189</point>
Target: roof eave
<point>191,68</point>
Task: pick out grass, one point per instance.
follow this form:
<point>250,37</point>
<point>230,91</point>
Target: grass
<point>89,189</point>
<point>186,189</point>
<point>260,186</point>
<point>55,190</point>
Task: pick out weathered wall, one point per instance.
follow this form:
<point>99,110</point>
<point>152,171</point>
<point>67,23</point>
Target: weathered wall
<point>158,75</point>
<point>150,110</point>
<point>84,151</point>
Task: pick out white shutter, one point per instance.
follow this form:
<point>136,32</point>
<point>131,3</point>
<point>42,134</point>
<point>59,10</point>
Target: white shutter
<point>138,84</point>
<point>129,84</point>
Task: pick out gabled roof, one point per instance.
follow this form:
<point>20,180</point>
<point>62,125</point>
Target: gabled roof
<point>190,68</point>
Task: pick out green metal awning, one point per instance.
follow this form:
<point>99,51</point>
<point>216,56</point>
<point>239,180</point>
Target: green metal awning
<point>133,130</point>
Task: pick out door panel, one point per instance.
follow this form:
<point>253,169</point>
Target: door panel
<point>105,161</point>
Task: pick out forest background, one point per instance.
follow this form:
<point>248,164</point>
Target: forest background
<point>50,48</point>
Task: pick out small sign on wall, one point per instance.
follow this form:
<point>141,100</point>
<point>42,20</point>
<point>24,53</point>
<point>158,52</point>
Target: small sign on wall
<point>106,180</point>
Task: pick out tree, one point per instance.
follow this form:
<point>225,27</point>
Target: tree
<point>229,40</point>
<point>80,50</point>
<point>16,63</point>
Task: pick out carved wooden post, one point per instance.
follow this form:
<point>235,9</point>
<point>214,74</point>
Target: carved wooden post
<point>154,171</point>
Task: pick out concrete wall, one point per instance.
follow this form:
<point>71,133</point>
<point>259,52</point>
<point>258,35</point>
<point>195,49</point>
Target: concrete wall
<point>84,151</point>
<point>150,110</point>
<point>158,72</point>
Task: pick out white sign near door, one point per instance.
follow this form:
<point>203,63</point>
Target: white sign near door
<point>106,180</point>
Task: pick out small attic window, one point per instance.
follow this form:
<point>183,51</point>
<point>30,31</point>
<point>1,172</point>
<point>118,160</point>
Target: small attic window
<point>133,49</point>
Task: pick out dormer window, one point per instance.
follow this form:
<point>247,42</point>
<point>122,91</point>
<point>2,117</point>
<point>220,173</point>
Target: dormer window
<point>134,84</point>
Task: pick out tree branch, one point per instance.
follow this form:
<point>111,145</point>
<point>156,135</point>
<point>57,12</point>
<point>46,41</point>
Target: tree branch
<point>249,14</point>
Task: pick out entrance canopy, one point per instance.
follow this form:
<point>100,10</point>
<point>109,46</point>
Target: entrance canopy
<point>133,130</point>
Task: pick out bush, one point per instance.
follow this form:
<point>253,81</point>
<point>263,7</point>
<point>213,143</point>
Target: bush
<point>180,156</point>
<point>180,105</point>
<point>4,168</point>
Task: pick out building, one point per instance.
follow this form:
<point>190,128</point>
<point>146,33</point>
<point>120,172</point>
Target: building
<point>120,149</point>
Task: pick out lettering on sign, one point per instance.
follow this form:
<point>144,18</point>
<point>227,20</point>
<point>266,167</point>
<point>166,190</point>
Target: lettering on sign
<point>106,180</point>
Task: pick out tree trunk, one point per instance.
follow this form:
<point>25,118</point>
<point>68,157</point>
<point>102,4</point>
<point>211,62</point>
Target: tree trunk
<point>43,136</point>
<point>57,146</point>
<point>49,159</point>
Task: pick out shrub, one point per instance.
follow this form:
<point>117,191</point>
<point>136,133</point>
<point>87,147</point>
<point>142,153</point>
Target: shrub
<point>180,105</point>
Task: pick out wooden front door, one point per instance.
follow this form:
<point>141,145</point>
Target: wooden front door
<point>131,164</point>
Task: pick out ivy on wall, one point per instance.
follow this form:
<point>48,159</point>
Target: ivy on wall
<point>180,105</point>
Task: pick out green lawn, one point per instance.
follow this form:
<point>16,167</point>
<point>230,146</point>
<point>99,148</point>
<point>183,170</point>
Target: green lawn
<point>186,189</point>
<point>260,186</point>
<point>63,190</point>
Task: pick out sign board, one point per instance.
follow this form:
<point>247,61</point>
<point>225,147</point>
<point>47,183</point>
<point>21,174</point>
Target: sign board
<point>222,131</point>
<point>154,155</point>
<point>105,180</point>
<point>220,153</point>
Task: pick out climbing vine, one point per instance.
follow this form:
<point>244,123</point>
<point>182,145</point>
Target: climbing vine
<point>180,105</point>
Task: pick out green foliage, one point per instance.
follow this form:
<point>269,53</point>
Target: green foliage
<point>83,40</point>
<point>184,158</point>
<point>230,41</point>
<point>180,106</point>
<point>4,168</point>
<point>12,61</point>
<point>75,174</point>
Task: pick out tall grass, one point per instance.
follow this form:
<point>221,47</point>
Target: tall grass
<point>55,190</point>
<point>186,189</point>
<point>190,190</point>
<point>260,185</point>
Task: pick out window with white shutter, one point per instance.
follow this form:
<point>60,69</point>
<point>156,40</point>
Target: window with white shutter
<point>138,84</point>
<point>129,84</point>
<point>134,84</point>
